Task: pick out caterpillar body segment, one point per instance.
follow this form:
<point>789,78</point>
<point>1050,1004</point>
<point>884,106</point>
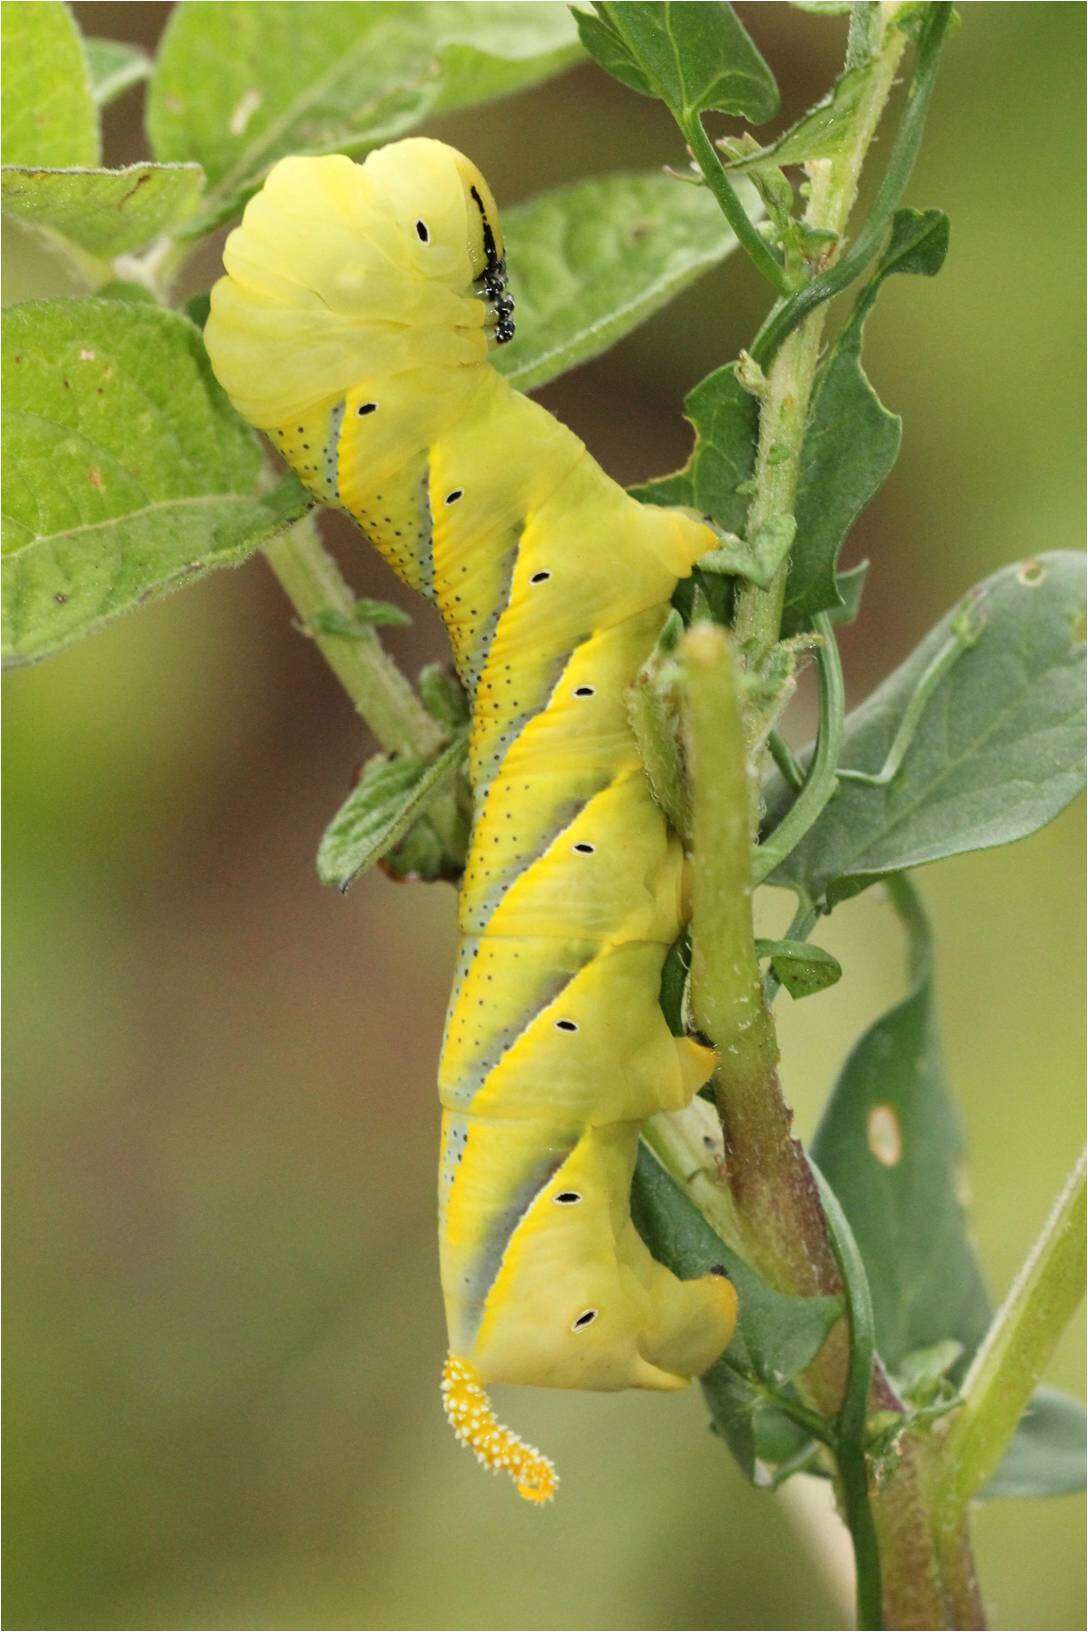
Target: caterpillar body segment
<point>354,326</point>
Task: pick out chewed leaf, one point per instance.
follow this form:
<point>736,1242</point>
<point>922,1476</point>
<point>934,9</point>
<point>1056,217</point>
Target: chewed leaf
<point>725,418</point>
<point>890,1145</point>
<point>377,814</point>
<point>126,471</point>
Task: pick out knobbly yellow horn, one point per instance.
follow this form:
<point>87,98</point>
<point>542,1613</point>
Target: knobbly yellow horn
<point>468,1408</point>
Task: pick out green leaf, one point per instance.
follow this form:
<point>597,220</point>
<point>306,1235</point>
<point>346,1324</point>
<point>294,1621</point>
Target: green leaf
<point>442,695</point>
<point>776,1335</point>
<point>714,481</point>
<point>591,261</point>
<point>922,1374</point>
<point>851,444</point>
<point>390,795</point>
<point>236,86</point>
<point>105,212</point>
<point>692,57</point>
<point>997,753</point>
<point>49,116</point>
<point>115,67</point>
<point>822,133</point>
<point>365,614</point>
<point>757,557</point>
<point>889,1144</point>
<point>127,472</point>
<point>801,967</point>
<point>1047,1453</point>
<point>848,586</point>
<point>851,441</point>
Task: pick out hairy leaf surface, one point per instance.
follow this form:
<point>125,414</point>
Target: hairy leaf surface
<point>106,212</point>
<point>49,115</point>
<point>693,57</point>
<point>590,262</point>
<point>126,471</point>
<point>237,86</point>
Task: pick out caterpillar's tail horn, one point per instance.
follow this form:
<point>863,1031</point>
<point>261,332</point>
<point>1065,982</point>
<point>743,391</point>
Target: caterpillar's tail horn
<point>468,1408</point>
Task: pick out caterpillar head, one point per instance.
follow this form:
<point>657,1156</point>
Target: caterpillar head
<point>346,276</point>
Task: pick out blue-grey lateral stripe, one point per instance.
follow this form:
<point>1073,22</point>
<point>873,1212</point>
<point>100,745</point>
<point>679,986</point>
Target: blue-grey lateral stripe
<point>331,471</point>
<point>481,1276</point>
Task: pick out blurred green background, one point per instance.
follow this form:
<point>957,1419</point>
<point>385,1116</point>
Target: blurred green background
<point>224,1325</point>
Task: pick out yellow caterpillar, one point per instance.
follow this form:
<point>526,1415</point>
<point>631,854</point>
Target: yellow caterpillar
<point>353,326</point>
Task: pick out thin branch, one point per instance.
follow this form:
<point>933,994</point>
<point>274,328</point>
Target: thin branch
<point>382,696</point>
<point>1041,1302</point>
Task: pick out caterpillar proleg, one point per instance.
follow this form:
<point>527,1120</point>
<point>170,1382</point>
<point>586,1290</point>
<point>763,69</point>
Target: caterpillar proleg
<point>354,326</point>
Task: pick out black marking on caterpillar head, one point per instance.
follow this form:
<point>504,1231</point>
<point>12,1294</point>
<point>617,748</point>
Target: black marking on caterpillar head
<point>583,849</point>
<point>422,233</point>
<point>567,1198</point>
<point>539,577</point>
<point>367,408</point>
<point>586,1318</point>
<point>492,283</point>
<point>583,691</point>
<point>566,1025</point>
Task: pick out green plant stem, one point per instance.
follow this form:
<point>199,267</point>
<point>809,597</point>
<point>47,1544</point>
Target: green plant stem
<point>822,780</point>
<point>786,760</point>
<point>1041,1302</point>
<point>784,410</point>
<point>772,1187</point>
<point>854,1411</point>
<point>773,1198</point>
<point>748,235</point>
<point>797,308</point>
<point>379,691</point>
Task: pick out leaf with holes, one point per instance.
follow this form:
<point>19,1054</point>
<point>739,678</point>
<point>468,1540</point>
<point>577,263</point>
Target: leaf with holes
<point>236,86</point>
<point>105,212</point>
<point>692,57</point>
<point>378,812</point>
<point>115,67</point>
<point>997,753</point>
<point>889,1145</point>
<point>590,262</point>
<point>49,115</point>
<point>126,471</point>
